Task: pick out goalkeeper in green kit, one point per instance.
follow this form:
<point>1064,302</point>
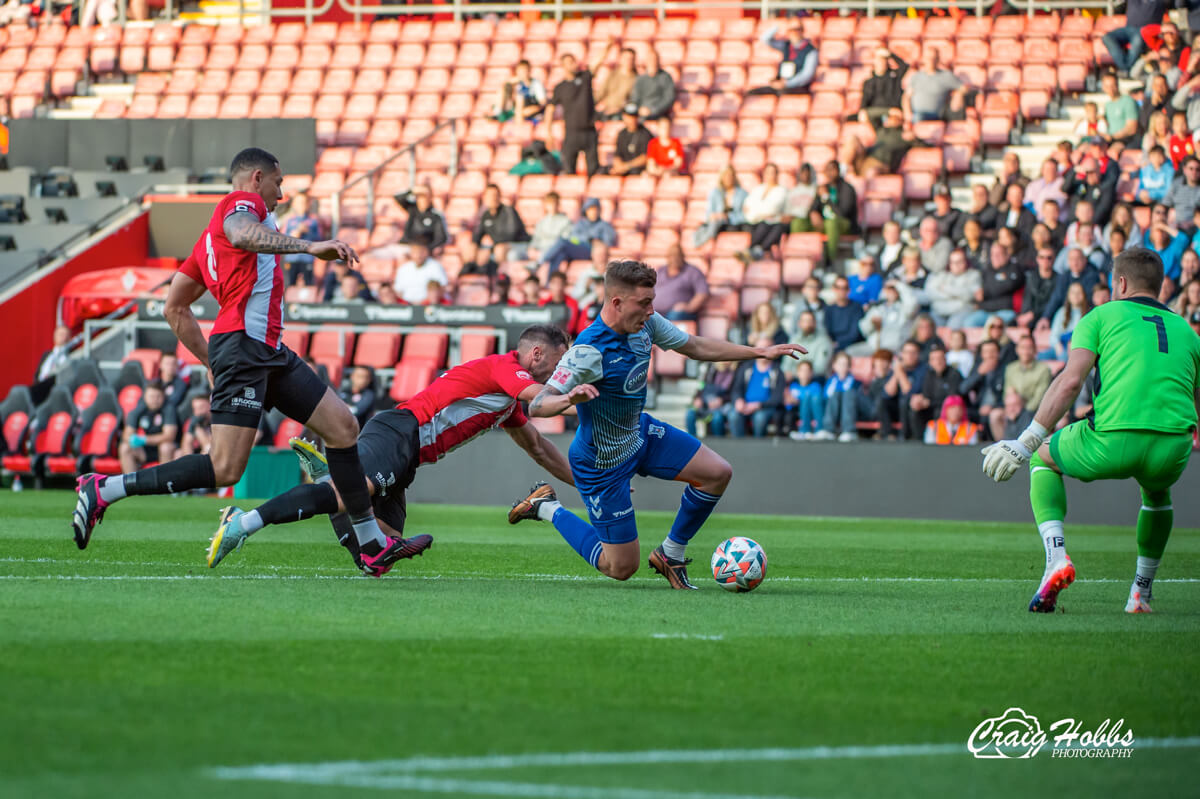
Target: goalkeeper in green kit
<point>1147,362</point>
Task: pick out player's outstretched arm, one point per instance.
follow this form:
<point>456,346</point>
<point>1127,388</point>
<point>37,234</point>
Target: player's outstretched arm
<point>542,451</point>
<point>1004,458</point>
<point>178,312</point>
<point>551,402</point>
<point>245,232</point>
<point>699,348</point>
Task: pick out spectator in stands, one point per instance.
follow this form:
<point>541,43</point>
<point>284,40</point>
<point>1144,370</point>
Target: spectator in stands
<point>1120,112</point>
<point>174,386</point>
<point>973,244</point>
<point>800,200</point>
<point>763,210</point>
<point>1018,251</point>
<point>150,430</point>
<point>1126,44</point>
<point>952,293</point>
<point>590,237</point>
<point>1040,284</point>
<point>1101,294</point>
<point>1122,219</point>
<point>197,432</point>
<point>331,284</point>
<point>886,324</point>
<point>522,97</point>
<point>1152,115</point>
<point>590,304</point>
<point>1184,195</point>
<point>436,293</point>
<point>997,331</point>
<point>757,396</point>
<point>498,228</point>
<point>798,66</point>
<point>804,403</point>
<point>725,208</point>
<point>556,294</point>
<point>387,295</point>
<point>1092,127</point>
<point>984,386</point>
<point>908,376</point>
<point>1180,145</point>
<point>424,221</point>
<point>303,223</point>
<point>1051,220</point>
<point>867,284</point>
<point>352,290</point>
<point>360,395</point>
<point>1187,96</point>
<point>817,342</point>
<point>874,396</point>
<point>664,155</point>
<point>765,324</point>
<point>810,300</point>
<point>933,92</point>
<point>413,276</point>
<point>1188,301</point>
<point>1091,197</point>
<point>1010,173</point>
<point>483,264</point>
<point>952,427</point>
<point>632,144</point>
<point>574,95</point>
<point>892,247</point>
<point>982,212</point>
<point>55,359</point>
<point>958,354</point>
<point>909,271</point>
<point>883,90</point>
<point>1026,375</point>
<point>941,381</point>
<point>926,335</point>
<point>681,290</point>
<point>654,90</point>
<point>712,398</point>
<point>1047,186</point>
<point>531,291</point>
<point>1014,417</point>
<point>1078,271</point>
<point>842,316</point>
<point>1093,251</point>
<point>948,218</point>
<point>1189,269</point>
<point>1169,244</point>
<point>893,140</point>
<point>553,224</point>
<point>1014,214</point>
<point>836,209</point>
<point>1065,319</point>
<point>843,405</point>
<point>618,85</point>
<point>933,246</point>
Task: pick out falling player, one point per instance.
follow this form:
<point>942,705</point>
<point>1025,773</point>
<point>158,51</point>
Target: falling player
<point>459,406</point>
<point>616,440</point>
<point>1147,362</point>
<point>237,259</point>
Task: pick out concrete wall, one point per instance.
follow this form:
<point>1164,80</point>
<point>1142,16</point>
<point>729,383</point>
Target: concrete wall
<point>814,479</point>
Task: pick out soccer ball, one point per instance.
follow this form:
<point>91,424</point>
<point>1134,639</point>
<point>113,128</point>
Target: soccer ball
<point>739,564</point>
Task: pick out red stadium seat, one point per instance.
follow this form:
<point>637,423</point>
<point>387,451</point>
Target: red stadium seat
<point>426,346</point>
<point>411,378</point>
<point>376,349</point>
<point>332,343</point>
<point>288,429</point>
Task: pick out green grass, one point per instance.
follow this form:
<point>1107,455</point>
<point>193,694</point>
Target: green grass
<point>149,672</point>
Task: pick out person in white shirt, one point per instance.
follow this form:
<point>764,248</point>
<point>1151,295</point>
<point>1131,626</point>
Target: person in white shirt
<point>414,276</point>
<point>56,357</point>
<point>764,209</point>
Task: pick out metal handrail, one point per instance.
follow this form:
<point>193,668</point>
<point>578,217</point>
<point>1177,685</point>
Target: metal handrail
<point>371,174</point>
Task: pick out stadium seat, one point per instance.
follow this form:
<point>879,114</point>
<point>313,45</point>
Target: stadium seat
<point>476,343</point>
<point>16,413</point>
<point>426,346</point>
<point>287,429</point>
<point>411,378</point>
<point>377,349</point>
<point>96,441</point>
<point>147,358</point>
<point>50,438</point>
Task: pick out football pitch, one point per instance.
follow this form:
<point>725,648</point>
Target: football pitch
<point>500,665</point>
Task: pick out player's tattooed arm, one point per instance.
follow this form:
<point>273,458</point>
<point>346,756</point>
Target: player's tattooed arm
<point>247,233</point>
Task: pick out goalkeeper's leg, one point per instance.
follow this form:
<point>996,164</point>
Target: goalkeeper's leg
<point>1048,496</point>
<point>1153,529</point>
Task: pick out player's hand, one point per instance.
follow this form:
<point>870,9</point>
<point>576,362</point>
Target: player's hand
<point>777,351</point>
<point>583,393</point>
<point>1002,459</point>
<point>333,250</point>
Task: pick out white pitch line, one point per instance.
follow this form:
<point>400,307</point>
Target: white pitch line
<point>337,770</point>
<point>689,636</point>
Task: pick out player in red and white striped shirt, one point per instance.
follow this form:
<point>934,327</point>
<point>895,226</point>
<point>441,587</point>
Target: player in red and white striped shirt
<point>458,407</point>
<point>237,260</point>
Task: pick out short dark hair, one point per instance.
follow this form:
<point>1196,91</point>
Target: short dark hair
<point>551,195</point>
<point>559,275</point>
<point>253,158</point>
<point>492,186</point>
<point>156,383</point>
<point>542,335</point>
<point>523,63</point>
<point>629,274</point>
<point>1142,268</point>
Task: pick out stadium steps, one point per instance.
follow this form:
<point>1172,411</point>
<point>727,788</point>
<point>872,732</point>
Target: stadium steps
<point>217,11</point>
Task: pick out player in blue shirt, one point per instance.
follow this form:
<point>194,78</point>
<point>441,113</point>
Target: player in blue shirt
<point>604,376</point>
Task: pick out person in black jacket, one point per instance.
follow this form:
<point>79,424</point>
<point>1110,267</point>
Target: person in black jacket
<point>1039,288</point>
<point>982,211</point>
<point>835,209</point>
<point>1084,183</point>
<point>360,395</point>
<point>1001,280</point>
<point>984,387</point>
<point>499,226</point>
<point>882,90</point>
<point>941,380</point>
<point>424,223</point>
<point>757,393</point>
<point>574,95</point>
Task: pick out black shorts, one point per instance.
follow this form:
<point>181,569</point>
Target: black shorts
<point>389,448</point>
<point>249,377</point>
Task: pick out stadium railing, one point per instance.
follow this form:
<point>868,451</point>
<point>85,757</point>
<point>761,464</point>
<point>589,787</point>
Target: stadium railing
<point>560,9</point>
<point>371,175</point>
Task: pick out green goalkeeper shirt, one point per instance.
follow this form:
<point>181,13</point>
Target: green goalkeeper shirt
<point>1147,366</point>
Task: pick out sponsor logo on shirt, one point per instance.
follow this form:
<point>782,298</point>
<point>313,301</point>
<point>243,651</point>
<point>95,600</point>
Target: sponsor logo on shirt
<point>524,375</point>
<point>561,376</point>
<point>635,381</point>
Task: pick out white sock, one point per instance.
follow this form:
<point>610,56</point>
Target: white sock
<point>546,510</point>
<point>250,521</point>
<point>367,532</point>
<point>673,549</point>
<point>1054,541</point>
<point>1144,580</point>
<point>112,488</point>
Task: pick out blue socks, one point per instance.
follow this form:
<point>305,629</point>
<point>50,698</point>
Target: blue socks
<point>694,509</point>
<point>580,535</point>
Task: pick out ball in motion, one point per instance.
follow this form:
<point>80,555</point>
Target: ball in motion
<point>739,564</point>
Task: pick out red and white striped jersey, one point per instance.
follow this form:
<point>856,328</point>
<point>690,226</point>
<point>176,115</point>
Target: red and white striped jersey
<point>467,401</point>
<point>247,285</point>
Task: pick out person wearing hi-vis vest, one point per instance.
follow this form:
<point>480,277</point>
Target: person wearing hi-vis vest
<point>952,428</point>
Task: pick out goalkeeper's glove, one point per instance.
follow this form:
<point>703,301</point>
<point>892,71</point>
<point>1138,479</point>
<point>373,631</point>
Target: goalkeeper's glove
<point>1002,459</point>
